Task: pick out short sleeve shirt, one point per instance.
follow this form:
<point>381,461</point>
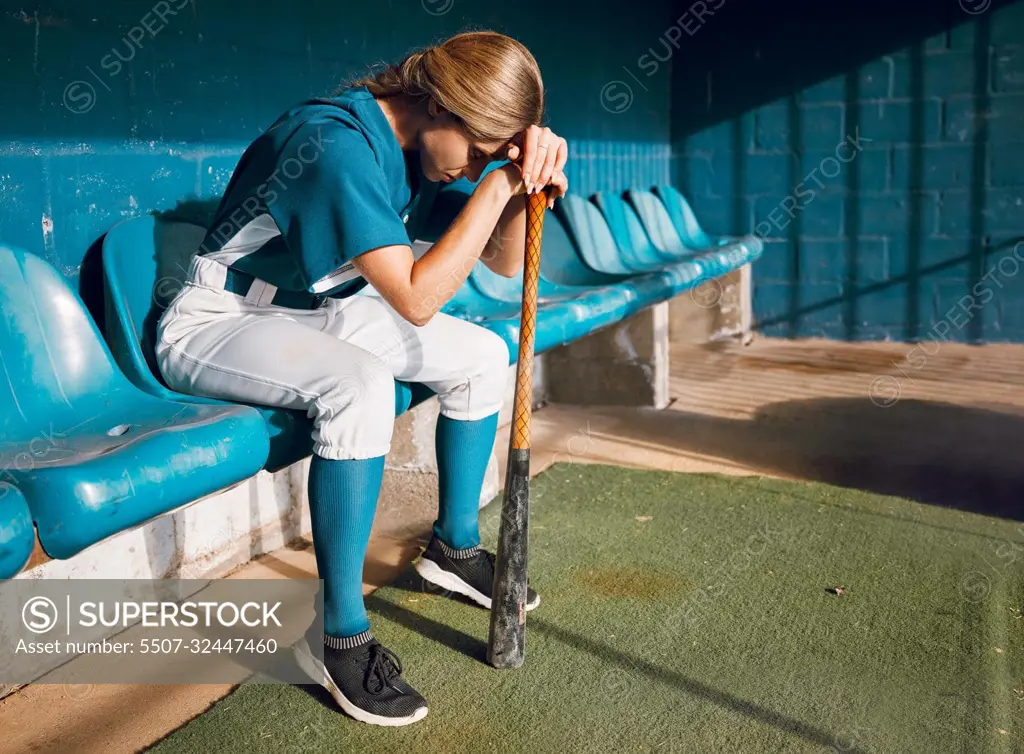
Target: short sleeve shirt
<point>328,181</point>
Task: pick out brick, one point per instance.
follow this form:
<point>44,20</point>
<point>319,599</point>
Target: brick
<point>716,174</point>
<point>696,172</point>
<point>1010,318</point>
<point>1008,69</point>
<point>886,304</point>
<point>870,261</point>
<point>817,308</point>
<point>1006,23</point>
<point>1001,210</point>
<point>877,333</point>
<point>962,37</point>
<point>771,300</point>
<point>822,261</point>
<point>720,136</point>
<point>717,216</point>
<point>1006,165</point>
<point>775,264</point>
<point>1003,273</point>
<point>821,216</point>
<point>870,167</point>
<point>888,121</point>
<point>820,126</point>
<point>954,304</point>
<point>890,214</point>
<point>1001,117</point>
<point>937,43</point>
<point>942,75</point>
<point>873,82</point>
<point>769,174</point>
<point>830,90</point>
<point>821,311</point>
<point>941,166</point>
<point>945,255</point>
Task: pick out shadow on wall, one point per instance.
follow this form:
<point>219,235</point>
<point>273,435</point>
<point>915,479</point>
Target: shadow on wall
<point>889,241</point>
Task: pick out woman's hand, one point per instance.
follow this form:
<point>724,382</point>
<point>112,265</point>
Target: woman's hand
<point>540,154</point>
<point>559,186</point>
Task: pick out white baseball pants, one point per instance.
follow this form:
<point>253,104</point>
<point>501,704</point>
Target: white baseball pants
<point>339,362</point>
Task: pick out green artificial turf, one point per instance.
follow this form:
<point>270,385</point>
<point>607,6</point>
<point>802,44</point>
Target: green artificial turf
<point>692,613</point>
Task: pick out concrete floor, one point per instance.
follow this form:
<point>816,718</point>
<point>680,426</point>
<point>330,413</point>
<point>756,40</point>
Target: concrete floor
<point>940,428</point>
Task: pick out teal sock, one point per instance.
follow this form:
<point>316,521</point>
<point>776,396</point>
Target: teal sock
<point>342,501</point>
<point>463,449</point>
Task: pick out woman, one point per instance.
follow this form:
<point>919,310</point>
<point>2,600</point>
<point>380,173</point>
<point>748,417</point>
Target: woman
<point>328,200</point>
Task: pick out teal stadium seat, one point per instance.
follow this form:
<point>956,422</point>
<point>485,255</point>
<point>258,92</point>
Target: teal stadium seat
<point>684,220</point>
<point>145,264</point>
<point>656,221</point>
<point>637,250</point>
<point>91,454</point>
<point>682,237</point>
<point>17,536</point>
<point>605,252</point>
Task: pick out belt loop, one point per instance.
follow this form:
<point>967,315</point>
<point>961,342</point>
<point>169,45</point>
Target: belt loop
<point>267,296</point>
<point>255,293</point>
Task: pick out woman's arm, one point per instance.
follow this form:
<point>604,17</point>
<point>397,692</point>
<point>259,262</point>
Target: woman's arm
<point>544,154</point>
<point>418,288</point>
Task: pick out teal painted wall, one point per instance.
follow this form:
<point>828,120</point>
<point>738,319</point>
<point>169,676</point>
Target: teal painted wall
<point>116,109</point>
<point>908,236</point>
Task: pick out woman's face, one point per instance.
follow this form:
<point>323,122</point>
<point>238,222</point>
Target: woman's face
<point>447,153</point>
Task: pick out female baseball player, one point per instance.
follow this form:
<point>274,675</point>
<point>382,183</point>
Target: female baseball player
<point>329,199</point>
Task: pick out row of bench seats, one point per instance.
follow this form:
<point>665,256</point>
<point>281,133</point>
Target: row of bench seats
<point>94,443</point>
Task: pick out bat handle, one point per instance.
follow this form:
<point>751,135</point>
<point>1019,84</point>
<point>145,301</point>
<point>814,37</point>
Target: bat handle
<point>536,205</point>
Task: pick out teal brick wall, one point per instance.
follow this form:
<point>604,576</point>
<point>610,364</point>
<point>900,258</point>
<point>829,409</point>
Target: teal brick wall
<point>112,110</point>
<point>911,233</point>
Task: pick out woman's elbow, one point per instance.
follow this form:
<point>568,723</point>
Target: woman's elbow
<point>508,270</point>
<point>417,314</point>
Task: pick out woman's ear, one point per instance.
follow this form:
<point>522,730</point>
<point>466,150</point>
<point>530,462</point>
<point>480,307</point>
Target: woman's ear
<point>433,108</point>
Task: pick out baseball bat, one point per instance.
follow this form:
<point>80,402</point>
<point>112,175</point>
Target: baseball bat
<point>506,645</point>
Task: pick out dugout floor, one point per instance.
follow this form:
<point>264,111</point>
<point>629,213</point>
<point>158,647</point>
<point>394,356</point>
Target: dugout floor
<point>940,427</point>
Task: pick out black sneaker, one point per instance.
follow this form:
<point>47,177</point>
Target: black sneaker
<point>364,678</point>
<point>467,572</point>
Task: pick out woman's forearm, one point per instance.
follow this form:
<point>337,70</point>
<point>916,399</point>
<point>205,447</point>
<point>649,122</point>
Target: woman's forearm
<point>438,274</point>
<point>504,253</point>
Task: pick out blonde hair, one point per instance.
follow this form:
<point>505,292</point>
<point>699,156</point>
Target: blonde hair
<point>489,81</point>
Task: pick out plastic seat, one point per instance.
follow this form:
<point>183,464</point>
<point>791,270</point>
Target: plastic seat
<point>594,240</point>
<point>660,229</point>
<point>17,535</point>
<point>558,322</point>
<point>663,232</point>
<point>683,219</point>
<point>145,264</point>
<point>635,247</point>
<point>568,310</point>
<point>597,248</point>
<point>92,454</point>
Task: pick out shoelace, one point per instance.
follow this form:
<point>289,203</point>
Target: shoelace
<point>383,668</point>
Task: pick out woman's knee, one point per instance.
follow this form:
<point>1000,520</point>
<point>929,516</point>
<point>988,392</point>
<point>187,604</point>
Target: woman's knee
<point>486,373</point>
<point>355,416</point>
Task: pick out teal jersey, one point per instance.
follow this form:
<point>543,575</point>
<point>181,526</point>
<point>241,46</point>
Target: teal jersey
<point>328,181</point>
